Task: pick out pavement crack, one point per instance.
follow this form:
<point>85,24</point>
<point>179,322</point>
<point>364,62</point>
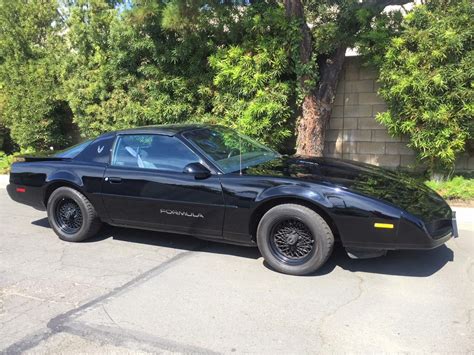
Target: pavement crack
<point>469,316</point>
<point>470,272</point>
<point>360,290</point>
<point>109,316</point>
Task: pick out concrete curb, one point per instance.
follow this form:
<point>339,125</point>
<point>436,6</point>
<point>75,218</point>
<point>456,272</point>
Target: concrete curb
<point>464,214</point>
<point>4,180</point>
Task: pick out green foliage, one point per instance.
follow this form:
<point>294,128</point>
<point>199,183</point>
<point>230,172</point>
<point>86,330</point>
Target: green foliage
<point>377,33</point>
<point>7,160</point>
<point>31,100</point>
<point>112,64</point>
<point>4,163</point>
<point>427,80</point>
<point>457,188</point>
<point>348,23</point>
<point>253,82</point>
<point>146,66</point>
<point>132,72</point>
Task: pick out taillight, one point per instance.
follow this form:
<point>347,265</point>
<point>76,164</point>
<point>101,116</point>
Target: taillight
<point>20,189</point>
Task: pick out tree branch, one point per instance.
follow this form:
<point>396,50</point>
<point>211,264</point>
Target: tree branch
<point>381,4</point>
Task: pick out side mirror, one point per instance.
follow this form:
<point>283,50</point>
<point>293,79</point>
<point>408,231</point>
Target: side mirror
<point>198,170</point>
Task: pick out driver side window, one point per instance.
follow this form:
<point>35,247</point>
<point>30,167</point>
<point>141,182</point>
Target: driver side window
<point>152,151</point>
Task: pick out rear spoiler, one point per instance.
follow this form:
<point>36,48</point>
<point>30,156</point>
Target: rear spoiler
<point>33,159</point>
<point>45,155</point>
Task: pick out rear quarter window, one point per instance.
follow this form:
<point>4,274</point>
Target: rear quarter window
<point>73,151</point>
<point>98,151</point>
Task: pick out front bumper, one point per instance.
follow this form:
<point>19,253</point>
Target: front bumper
<point>410,234</point>
<point>414,234</point>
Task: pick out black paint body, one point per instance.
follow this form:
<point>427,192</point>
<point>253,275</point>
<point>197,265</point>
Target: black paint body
<point>227,207</point>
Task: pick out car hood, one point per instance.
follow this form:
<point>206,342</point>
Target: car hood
<point>396,188</point>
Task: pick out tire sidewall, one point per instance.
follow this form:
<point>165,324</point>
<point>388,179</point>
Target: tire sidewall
<point>316,225</point>
<point>58,195</point>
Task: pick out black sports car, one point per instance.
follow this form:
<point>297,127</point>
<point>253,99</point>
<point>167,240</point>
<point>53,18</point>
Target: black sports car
<point>213,183</point>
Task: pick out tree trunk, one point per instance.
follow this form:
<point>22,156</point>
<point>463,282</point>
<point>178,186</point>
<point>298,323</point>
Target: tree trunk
<point>317,107</point>
<point>317,103</point>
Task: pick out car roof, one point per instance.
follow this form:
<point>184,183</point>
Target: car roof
<point>166,129</point>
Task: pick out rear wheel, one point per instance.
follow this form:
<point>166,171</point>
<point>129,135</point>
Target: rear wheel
<point>294,239</point>
<point>71,215</point>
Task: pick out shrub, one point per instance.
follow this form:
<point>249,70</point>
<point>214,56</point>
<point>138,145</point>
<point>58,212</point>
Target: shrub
<point>252,81</point>
<point>31,102</point>
<point>427,80</point>
<point>145,66</point>
<point>7,160</point>
<point>457,188</point>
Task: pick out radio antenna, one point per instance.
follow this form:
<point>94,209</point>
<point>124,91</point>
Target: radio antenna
<point>240,154</point>
<point>240,141</point>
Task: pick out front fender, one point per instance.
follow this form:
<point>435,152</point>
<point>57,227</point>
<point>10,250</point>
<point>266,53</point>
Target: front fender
<point>311,194</point>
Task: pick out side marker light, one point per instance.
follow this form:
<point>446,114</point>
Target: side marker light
<point>384,225</point>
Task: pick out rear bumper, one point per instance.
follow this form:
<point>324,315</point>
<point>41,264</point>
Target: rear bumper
<point>27,195</point>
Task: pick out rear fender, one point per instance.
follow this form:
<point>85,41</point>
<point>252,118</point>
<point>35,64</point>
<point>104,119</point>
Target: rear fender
<point>67,176</point>
<point>89,183</point>
<point>59,179</point>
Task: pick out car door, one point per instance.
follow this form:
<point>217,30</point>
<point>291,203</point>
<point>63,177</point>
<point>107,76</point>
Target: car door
<point>145,186</point>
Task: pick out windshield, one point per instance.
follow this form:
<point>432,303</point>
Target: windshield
<point>228,149</point>
<point>71,152</point>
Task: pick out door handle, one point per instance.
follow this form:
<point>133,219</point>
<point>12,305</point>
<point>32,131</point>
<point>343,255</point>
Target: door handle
<point>113,180</point>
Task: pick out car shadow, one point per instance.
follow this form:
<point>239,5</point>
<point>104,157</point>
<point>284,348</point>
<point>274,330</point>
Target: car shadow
<point>164,240</point>
<point>413,263</point>
<point>43,222</point>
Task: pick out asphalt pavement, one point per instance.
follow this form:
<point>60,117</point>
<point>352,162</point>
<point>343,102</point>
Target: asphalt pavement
<point>129,291</point>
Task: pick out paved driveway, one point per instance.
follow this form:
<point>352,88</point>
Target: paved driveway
<point>129,291</point>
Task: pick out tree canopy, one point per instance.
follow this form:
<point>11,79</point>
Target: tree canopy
<point>32,102</point>
<point>268,68</point>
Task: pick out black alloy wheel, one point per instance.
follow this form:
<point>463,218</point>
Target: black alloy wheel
<point>294,239</point>
<point>291,241</point>
<point>68,216</point>
<point>71,215</point>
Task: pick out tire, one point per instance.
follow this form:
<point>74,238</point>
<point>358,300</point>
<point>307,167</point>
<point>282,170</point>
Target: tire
<point>71,215</point>
<point>294,239</point>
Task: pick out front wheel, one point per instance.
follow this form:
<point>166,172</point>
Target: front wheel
<point>294,239</point>
<point>71,215</point>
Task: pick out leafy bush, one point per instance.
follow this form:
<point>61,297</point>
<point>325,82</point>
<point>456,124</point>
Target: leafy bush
<point>137,73</point>
<point>252,81</point>
<point>457,188</point>
<point>4,163</point>
<point>144,66</point>
<point>31,48</point>
<point>427,80</point>
<point>7,160</point>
